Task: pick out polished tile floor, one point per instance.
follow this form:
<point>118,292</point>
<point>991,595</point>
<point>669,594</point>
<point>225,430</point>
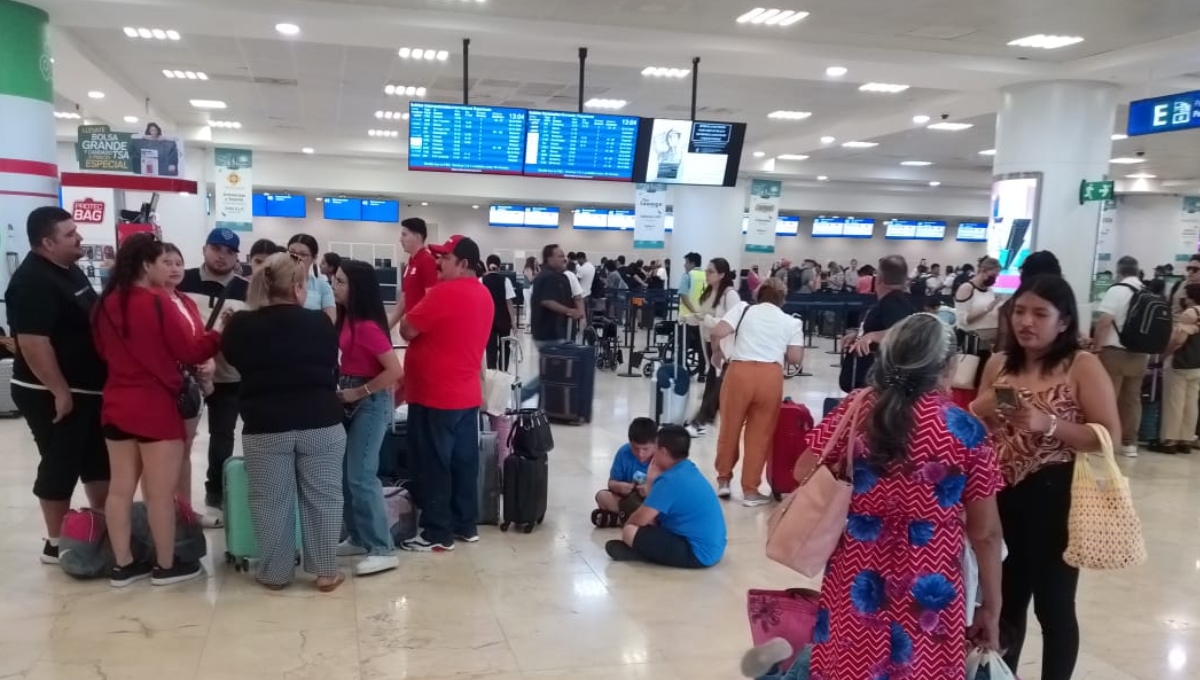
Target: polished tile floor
<point>547,605</point>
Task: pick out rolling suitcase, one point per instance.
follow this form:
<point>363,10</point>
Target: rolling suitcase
<point>241,546</point>
<point>393,454</point>
<point>1152,398</point>
<point>489,479</point>
<point>830,404</point>
<point>568,383</point>
<point>788,443</point>
<point>672,383</point>
<point>526,485</point>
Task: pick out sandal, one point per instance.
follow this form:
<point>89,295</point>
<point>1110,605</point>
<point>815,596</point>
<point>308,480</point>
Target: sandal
<point>274,586</point>
<point>330,586</point>
<point>605,519</point>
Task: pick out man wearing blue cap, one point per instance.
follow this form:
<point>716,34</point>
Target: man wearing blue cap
<point>215,286</point>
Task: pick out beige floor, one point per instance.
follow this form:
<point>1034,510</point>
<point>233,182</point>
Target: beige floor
<point>547,605</point>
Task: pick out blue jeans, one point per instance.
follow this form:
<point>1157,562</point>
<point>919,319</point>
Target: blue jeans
<point>445,445</point>
<point>366,518</point>
<point>531,388</point>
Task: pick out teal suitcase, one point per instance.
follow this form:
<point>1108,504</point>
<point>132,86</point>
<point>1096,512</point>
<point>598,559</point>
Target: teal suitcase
<point>241,546</point>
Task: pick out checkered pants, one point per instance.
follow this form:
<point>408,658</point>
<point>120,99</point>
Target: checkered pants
<point>280,466</point>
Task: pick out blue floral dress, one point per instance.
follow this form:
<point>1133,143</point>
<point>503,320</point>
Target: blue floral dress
<point>892,604</point>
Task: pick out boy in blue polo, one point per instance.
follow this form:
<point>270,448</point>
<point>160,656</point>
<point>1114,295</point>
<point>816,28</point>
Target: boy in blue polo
<point>628,479</point>
<point>680,524</point>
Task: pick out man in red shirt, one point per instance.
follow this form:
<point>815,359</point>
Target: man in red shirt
<point>447,332</point>
<point>419,274</point>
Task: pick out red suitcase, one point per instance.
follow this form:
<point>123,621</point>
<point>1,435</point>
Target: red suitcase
<point>790,431</point>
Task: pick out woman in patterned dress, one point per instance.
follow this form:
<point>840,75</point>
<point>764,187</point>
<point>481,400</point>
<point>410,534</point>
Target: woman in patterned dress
<point>1060,389</point>
<point>892,602</point>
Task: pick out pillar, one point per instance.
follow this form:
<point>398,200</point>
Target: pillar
<point>28,172</point>
<point>1062,129</point>
<point>708,220</point>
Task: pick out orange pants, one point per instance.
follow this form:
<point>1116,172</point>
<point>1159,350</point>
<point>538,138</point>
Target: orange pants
<point>751,392</point>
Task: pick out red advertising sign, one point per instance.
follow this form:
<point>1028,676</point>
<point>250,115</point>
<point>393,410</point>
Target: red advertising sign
<point>88,211</point>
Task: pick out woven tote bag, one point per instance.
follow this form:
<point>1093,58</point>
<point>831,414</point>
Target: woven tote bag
<point>1103,529</point>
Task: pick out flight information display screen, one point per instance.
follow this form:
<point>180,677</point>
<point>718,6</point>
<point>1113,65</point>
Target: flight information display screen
<point>541,217</point>
<point>858,227</point>
<point>974,232</point>
<point>342,209</point>
<point>591,218</point>
<point>380,211</point>
<point>458,138</point>
<point>690,152</point>
<point>828,226</point>
<point>506,216</point>
<point>621,219</point>
<point>284,205</point>
<point>916,230</point>
<point>581,145</point>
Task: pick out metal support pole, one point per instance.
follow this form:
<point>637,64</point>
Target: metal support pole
<point>466,71</point>
<point>583,54</point>
<point>695,83</point>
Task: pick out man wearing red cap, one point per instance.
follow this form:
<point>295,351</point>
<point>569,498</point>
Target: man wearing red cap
<point>447,332</point>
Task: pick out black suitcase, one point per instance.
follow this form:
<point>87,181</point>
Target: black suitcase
<point>568,383</point>
<point>393,454</point>
<point>526,485</point>
<point>830,404</point>
<point>489,479</point>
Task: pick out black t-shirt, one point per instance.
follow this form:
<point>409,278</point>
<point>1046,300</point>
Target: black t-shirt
<point>891,309</point>
<point>545,323</point>
<point>494,282</point>
<point>56,302</point>
<point>288,359</point>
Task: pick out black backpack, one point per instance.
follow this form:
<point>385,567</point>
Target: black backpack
<point>1148,326</point>
<point>919,286</point>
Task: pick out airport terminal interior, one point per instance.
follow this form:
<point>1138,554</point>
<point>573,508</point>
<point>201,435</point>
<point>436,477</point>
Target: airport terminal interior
<point>830,131</point>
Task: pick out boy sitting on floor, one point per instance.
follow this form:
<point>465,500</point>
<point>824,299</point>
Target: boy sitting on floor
<point>627,481</point>
<point>680,524</point>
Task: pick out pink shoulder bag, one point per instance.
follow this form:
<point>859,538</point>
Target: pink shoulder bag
<point>805,529</point>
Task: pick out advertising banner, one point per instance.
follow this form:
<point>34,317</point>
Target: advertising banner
<point>764,213</point>
<point>99,148</point>
<point>1106,236</point>
<point>234,202</point>
<point>1189,228</point>
<point>650,216</point>
<point>95,212</point>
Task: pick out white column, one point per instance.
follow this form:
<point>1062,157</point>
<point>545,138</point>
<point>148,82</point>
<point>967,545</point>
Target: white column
<point>1062,129</point>
<point>708,220</point>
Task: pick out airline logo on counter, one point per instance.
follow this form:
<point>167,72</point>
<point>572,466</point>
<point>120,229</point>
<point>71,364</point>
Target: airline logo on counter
<point>87,211</point>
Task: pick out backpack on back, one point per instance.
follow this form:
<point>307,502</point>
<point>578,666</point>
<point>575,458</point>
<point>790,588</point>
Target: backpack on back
<point>1148,325</point>
<point>919,286</point>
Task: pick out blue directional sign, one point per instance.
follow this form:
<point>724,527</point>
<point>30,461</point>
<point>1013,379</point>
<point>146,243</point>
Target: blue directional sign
<point>1164,114</point>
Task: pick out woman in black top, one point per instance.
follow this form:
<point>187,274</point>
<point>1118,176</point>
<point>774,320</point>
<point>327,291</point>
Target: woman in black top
<point>292,437</point>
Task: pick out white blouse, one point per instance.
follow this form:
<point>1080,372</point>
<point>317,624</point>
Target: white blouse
<point>766,333</point>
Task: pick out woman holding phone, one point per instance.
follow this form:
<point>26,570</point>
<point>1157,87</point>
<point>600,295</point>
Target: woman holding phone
<point>1037,399</point>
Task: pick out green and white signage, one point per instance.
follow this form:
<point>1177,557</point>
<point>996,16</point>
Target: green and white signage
<point>764,213</point>
<point>234,204</point>
<point>650,216</point>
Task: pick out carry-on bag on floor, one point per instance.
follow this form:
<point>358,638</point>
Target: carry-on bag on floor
<point>568,383</point>
<point>671,384</point>
<point>401,513</point>
<point>788,443</point>
<point>393,453</point>
<point>830,404</point>
<point>489,479</point>
<point>1152,398</point>
<point>526,485</point>
<point>241,545</point>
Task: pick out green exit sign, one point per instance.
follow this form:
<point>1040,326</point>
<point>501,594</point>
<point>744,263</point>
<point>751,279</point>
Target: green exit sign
<point>1095,191</point>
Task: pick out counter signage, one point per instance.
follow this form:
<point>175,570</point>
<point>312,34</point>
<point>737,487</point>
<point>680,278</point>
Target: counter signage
<point>1164,114</point>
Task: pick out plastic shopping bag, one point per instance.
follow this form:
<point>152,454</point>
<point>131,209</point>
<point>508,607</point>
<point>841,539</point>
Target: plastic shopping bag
<point>985,665</point>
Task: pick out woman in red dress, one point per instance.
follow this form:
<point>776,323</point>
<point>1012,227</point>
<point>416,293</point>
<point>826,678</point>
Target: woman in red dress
<point>892,601</point>
<point>145,340</point>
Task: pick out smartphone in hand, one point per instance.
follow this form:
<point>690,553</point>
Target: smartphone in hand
<point>1007,398</point>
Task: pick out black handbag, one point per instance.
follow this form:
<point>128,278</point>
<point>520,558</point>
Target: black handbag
<point>530,435</point>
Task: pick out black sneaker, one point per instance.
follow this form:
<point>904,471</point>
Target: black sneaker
<point>178,573</point>
<point>132,573</point>
<point>49,553</point>
<point>620,552</point>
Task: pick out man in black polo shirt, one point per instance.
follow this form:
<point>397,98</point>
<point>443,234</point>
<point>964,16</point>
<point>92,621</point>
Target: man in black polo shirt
<point>895,305</point>
<point>57,375</point>
<point>551,306</point>
<point>215,286</point>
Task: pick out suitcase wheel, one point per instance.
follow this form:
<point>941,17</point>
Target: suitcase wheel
<point>648,370</point>
<point>777,496</point>
<point>541,519</point>
<point>528,528</point>
<point>504,526</point>
<point>244,565</point>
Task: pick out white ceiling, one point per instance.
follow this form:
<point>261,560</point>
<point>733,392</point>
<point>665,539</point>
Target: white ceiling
<point>321,88</point>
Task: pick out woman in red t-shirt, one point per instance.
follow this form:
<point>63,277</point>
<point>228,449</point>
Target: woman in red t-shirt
<point>368,370</point>
<point>144,339</point>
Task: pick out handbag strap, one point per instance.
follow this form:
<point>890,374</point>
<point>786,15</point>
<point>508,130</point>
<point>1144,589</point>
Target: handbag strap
<point>136,359</point>
<point>849,420</point>
<point>1105,451</point>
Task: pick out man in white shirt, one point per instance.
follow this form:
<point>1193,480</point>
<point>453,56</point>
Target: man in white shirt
<point>1125,368</point>
<point>586,272</point>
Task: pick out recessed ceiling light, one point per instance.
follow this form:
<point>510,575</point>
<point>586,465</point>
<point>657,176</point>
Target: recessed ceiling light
<point>391,115</point>
<point>404,90</point>
<point>151,33</point>
<point>172,35</point>
<point>179,74</point>
<point>131,32</point>
<point>610,104</point>
<point>1142,175</point>
<point>859,145</point>
<point>158,33</point>
<point>789,115</point>
<point>131,119</point>
<point>988,152</point>
<point>475,207</point>
<point>1046,42</point>
<point>287,29</point>
<point>836,71</point>
<point>67,115</point>
<point>828,139</point>
<point>885,88</point>
<point>226,124</point>
<point>168,73</point>
<point>423,53</point>
<point>771,17</point>
<point>96,94</point>
<point>935,183</point>
<point>665,72</point>
<point>792,157</point>
<point>916,164</point>
<point>945,126</point>
<point>207,103</point>
<point>1118,137</point>
<point>383,133</point>
<point>822,178</point>
<point>424,202</point>
<point>920,120</point>
<point>1127,160</point>
<point>307,150</point>
<point>759,154</point>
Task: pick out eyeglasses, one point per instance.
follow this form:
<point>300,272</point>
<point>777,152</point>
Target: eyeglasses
<point>1192,270</point>
<point>296,255</point>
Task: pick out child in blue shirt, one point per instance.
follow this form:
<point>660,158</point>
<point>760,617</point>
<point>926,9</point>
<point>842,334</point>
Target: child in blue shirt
<point>627,480</point>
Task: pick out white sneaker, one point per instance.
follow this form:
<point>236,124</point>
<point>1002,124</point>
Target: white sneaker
<point>375,564</point>
<point>723,490</point>
<point>348,549</point>
<point>1129,451</point>
<point>694,431</point>
<point>213,518</point>
<point>754,500</point>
